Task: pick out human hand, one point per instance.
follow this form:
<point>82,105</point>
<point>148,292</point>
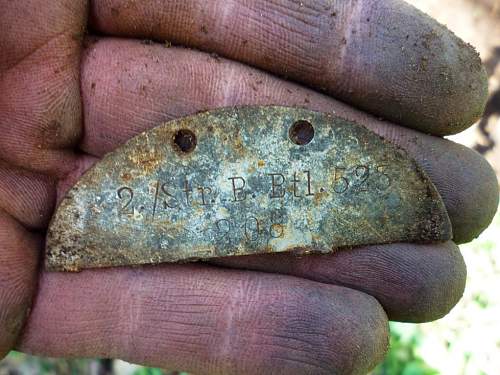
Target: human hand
<point>65,104</point>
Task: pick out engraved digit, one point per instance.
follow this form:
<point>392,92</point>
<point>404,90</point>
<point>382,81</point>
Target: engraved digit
<point>252,232</point>
<point>363,176</point>
<point>380,169</point>
<point>341,183</point>
<point>121,195</point>
<point>223,227</point>
<point>276,230</point>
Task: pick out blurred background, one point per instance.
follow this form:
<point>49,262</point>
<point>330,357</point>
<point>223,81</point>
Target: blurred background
<point>466,341</point>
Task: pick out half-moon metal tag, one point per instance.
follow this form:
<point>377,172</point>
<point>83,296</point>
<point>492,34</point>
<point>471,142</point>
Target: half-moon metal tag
<point>244,181</point>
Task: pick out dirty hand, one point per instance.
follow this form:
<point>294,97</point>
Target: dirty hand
<point>68,99</point>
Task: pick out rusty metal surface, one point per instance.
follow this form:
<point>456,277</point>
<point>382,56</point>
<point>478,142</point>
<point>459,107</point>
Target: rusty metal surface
<point>244,181</point>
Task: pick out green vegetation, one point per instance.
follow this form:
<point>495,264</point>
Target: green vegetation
<point>402,357</point>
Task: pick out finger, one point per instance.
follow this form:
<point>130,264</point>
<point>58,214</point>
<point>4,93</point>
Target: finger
<point>385,57</point>
<point>206,320</point>
<point>19,250</point>
<point>26,201</point>
<point>27,196</point>
<point>413,283</point>
<point>39,79</point>
<point>129,87</point>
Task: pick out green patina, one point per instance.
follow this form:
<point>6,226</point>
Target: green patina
<point>244,181</point>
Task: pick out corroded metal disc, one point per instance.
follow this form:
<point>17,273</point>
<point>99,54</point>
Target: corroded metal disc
<point>244,181</point>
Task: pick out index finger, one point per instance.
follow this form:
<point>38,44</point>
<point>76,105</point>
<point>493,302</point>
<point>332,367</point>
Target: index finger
<point>382,56</point>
